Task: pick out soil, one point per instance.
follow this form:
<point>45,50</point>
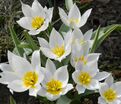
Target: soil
<point>103,14</point>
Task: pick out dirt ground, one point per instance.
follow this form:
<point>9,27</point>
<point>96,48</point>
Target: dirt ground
<point>110,60</point>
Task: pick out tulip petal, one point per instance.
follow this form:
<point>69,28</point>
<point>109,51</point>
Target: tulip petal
<point>80,89</point>
<point>43,42</point>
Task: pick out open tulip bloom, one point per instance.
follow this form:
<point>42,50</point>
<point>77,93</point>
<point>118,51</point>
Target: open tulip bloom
<point>20,75</point>
<point>36,18</point>
<point>110,92</point>
<point>74,18</point>
<point>57,48</point>
<point>88,77</point>
<point>55,82</point>
<point>80,53</point>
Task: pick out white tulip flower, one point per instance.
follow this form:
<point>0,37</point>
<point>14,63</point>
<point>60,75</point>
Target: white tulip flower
<point>74,18</point>
<point>57,48</point>
<point>110,92</point>
<point>80,53</point>
<point>55,82</point>
<point>20,75</point>
<point>88,77</point>
<point>36,18</point>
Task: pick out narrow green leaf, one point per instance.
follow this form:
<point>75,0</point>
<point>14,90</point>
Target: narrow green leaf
<point>12,101</point>
<point>63,100</point>
<point>16,41</point>
<point>94,46</point>
<point>31,41</point>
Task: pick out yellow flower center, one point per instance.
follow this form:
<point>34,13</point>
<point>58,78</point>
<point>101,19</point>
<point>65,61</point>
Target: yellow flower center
<point>82,41</point>
<point>74,20</point>
<point>37,22</point>
<point>54,87</point>
<point>59,51</point>
<point>82,59</point>
<point>30,79</point>
<point>110,95</point>
<point>84,78</point>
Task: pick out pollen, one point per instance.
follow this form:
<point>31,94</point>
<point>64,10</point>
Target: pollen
<point>37,22</point>
<point>74,20</point>
<point>82,59</point>
<point>30,79</point>
<point>84,78</point>
<point>54,87</point>
<point>59,51</point>
<point>110,95</point>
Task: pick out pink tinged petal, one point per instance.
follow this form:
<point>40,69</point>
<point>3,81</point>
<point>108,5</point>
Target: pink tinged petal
<point>101,75</point>
<point>5,67</point>
<point>63,16</point>
<point>101,101</point>
<point>7,77</point>
<point>43,42</point>
<point>50,66</point>
<point>109,80</point>
<point>84,17</point>
<point>62,75</point>
<point>26,9</point>
<point>25,22</point>
<point>35,61</point>
<point>80,89</point>
<point>19,64</point>
<point>88,34</point>
<point>17,86</point>
<point>67,88</point>
<point>34,91</point>
<point>48,53</point>
<point>94,85</point>
<point>55,39</point>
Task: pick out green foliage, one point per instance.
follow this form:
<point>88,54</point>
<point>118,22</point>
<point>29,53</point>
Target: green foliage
<point>12,101</point>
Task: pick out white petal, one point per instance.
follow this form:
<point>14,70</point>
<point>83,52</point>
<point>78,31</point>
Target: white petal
<point>84,17</point>
<point>93,85</point>
<point>117,87</point>
<point>19,64</point>
<point>74,13</point>
<point>36,59</point>
<point>75,76</point>
<point>109,80</point>
<point>63,16</point>
<point>49,14</point>
<point>61,74</point>
<point>38,10</point>
<point>48,53</point>
<point>68,88</point>
<point>34,91</point>
<point>17,86</point>
<point>103,88</point>
<point>26,9</point>
<point>55,39</point>
<point>88,34</point>
<point>25,22</point>
<point>43,42</point>
<point>5,67</point>
<point>50,66</point>
<point>78,34</point>
<point>101,75</point>
<point>93,56</point>
<point>101,101</point>
<point>42,92</point>
<point>116,102</point>
<point>7,77</point>
<point>52,97</point>
<point>79,66</point>
<point>80,89</point>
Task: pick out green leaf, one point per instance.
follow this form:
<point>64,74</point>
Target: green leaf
<point>94,46</point>
<point>63,100</point>
<point>24,45</point>
<point>16,41</point>
<point>64,28</point>
<point>31,41</point>
<point>12,101</point>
